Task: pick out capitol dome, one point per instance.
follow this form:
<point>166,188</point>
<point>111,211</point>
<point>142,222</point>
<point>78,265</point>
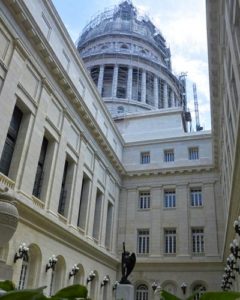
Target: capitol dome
<point>129,61</point>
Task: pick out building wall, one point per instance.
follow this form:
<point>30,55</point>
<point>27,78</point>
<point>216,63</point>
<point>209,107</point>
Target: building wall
<point>41,73</point>
<point>57,108</point>
<point>224,57</point>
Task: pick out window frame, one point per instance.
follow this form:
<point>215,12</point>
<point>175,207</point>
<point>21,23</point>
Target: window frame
<point>144,199</point>
<point>198,246</point>
<point>143,241</point>
<point>145,157</point>
<point>193,153</point>
<point>169,155</point>
<point>169,198</point>
<point>170,241</point>
<point>196,199</point>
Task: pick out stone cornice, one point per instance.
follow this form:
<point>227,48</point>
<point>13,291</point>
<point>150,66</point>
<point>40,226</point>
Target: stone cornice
<point>171,171</point>
<point>40,44</point>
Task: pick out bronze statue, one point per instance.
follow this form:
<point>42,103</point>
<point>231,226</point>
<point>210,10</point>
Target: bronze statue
<point>128,263</point>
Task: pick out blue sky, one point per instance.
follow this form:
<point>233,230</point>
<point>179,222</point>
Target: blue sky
<point>182,23</point>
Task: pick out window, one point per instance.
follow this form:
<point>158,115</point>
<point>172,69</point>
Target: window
<point>63,194</point>
<point>169,198</point>
<point>142,292</point>
<point>108,236</point>
<point>145,157</point>
<point>196,197</point>
<point>120,110</point>
<point>198,291</point>
<point>169,155</point>
<point>144,200</point>
<point>143,241</point>
<point>193,153</point>
<point>39,174</point>
<point>83,205</point>
<point>198,241</point>
<point>170,241</point>
<point>10,142</point>
<point>97,214</point>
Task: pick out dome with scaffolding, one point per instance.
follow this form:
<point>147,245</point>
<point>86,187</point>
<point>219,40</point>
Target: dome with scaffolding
<point>129,61</point>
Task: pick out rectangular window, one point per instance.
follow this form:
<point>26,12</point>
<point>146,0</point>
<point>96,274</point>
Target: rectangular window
<point>169,198</point>
<point>145,157</point>
<point>108,237</point>
<point>198,241</point>
<point>196,197</point>
<point>193,153</point>
<point>63,193</point>
<point>83,205</point>
<point>143,241</point>
<point>97,214</point>
<point>40,172</point>
<point>144,200</point>
<point>170,241</point>
<point>169,155</point>
<point>10,141</point>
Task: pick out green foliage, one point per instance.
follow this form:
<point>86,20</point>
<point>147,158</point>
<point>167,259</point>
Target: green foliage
<point>35,294</point>
<point>220,296</point>
<point>71,292</point>
<point>7,285</point>
<point>168,296</point>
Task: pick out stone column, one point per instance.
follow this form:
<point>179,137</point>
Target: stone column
<point>156,91</point>
<point>156,221</point>
<point>183,220</point>
<point>143,91</point>
<point>129,83</point>
<point>209,222</point>
<point>100,79</point>
<point>172,99</point>
<point>165,95</point>
<point>115,81</point>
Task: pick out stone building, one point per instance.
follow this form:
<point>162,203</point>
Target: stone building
<point>85,179</point>
<point>223,24</point>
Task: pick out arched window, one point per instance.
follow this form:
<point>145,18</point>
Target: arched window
<point>142,292</point>
<point>120,110</point>
<point>124,46</point>
<point>170,287</point>
<point>198,290</point>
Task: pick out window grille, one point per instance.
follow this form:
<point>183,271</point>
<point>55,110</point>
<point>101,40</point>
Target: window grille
<point>169,199</point>
<point>193,153</point>
<point>196,197</point>
<point>143,241</point>
<point>198,241</point>
<point>144,200</point>
<point>145,157</point>
<point>170,241</point>
<point>142,292</point>
<point>168,155</point>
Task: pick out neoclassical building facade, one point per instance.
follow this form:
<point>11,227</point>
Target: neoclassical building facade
<point>97,152</point>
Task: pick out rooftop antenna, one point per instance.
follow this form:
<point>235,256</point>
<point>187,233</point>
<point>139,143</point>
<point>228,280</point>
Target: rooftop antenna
<point>198,126</point>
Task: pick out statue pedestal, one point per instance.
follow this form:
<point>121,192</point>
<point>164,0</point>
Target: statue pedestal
<point>125,292</point>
